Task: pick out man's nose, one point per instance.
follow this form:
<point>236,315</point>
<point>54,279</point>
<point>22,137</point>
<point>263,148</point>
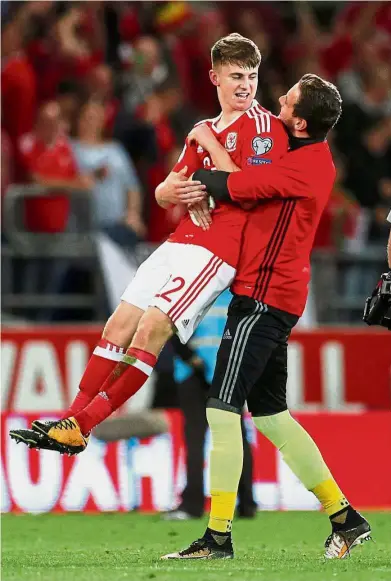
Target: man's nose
<point>245,84</point>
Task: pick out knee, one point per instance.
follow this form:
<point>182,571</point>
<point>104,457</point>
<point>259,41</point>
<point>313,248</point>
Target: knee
<point>113,329</point>
<point>154,330</point>
<point>122,324</point>
<point>275,427</point>
<point>225,429</point>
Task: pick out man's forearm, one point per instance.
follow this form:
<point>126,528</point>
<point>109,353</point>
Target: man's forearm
<point>221,158</point>
<point>215,182</point>
<point>283,181</point>
<point>219,185</point>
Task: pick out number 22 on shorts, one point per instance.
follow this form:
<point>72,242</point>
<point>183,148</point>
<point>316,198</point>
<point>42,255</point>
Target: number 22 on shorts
<point>180,284</point>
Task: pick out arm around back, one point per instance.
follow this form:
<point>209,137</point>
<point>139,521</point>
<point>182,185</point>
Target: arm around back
<point>299,174</point>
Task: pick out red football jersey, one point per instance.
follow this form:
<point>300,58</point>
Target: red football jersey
<point>255,138</point>
<point>274,265</point>
<point>48,213</point>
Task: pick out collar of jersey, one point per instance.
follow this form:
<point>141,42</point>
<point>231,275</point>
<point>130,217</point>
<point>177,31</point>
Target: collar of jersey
<point>255,102</point>
<point>297,142</point>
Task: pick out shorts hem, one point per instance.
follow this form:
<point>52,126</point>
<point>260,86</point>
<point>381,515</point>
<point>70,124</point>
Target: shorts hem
<point>218,404</point>
<point>267,414</point>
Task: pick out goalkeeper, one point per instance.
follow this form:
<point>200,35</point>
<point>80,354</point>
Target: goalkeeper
<point>270,290</point>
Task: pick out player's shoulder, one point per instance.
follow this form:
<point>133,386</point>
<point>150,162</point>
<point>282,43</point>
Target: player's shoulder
<point>327,157</point>
<point>315,159</point>
<point>318,149</point>
<point>262,120</point>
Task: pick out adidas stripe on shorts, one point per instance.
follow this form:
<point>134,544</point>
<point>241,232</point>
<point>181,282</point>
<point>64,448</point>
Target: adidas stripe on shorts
<point>183,281</point>
<point>252,359</point>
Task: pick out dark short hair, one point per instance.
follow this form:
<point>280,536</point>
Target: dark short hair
<point>320,104</point>
<point>236,49</point>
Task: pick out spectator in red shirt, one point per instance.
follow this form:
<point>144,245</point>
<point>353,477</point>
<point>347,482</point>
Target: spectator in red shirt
<point>48,160</point>
<point>18,81</point>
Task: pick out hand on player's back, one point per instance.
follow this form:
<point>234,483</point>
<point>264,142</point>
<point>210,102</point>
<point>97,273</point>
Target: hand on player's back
<point>203,136</point>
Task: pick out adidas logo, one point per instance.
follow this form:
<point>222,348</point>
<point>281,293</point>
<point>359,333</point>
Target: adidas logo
<point>227,335</point>
<point>185,322</point>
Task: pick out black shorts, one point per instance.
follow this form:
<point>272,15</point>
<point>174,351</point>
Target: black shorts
<point>251,362</point>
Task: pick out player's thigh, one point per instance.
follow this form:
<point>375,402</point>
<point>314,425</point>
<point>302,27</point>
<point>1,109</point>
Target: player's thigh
<point>196,278</point>
<point>247,344</point>
<point>268,394</point>
<point>150,277</point>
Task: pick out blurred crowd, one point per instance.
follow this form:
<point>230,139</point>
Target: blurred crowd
<point>99,96</point>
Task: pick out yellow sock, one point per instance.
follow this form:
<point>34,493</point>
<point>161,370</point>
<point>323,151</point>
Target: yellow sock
<point>330,496</point>
<point>222,511</point>
<point>226,461</point>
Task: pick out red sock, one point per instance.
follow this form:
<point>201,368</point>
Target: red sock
<point>105,357</point>
<point>124,381</point>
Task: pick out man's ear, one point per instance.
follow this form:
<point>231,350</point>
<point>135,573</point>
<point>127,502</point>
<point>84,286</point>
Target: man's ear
<point>214,78</point>
<point>300,124</point>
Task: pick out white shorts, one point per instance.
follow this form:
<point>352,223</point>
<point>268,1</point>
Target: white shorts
<point>183,281</point>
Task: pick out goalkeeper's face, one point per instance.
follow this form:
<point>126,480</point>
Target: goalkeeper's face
<point>236,86</point>
<point>296,125</point>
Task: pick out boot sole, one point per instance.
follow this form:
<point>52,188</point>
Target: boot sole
<point>208,558</point>
<point>33,445</point>
<point>367,536</point>
<point>19,438</point>
<point>359,541</point>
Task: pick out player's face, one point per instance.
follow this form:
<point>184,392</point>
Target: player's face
<point>236,86</point>
<point>287,103</point>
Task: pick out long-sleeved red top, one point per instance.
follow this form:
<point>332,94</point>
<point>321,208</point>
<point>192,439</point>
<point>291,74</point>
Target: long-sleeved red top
<point>274,264</point>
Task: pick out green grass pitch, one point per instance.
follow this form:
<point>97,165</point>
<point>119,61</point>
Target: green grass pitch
<point>276,546</point>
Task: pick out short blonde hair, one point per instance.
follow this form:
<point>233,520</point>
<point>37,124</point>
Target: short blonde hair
<point>236,49</point>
